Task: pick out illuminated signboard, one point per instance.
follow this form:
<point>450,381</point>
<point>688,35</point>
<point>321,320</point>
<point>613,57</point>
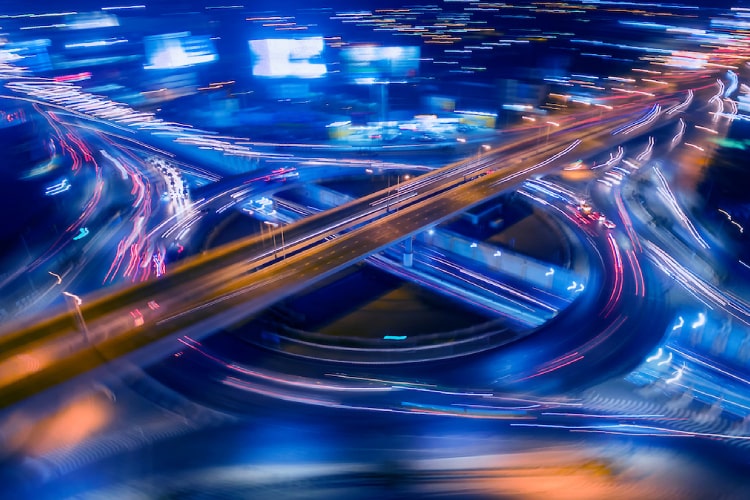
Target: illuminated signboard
<point>363,62</point>
<point>31,54</point>
<point>90,20</point>
<point>178,50</point>
<point>288,57</point>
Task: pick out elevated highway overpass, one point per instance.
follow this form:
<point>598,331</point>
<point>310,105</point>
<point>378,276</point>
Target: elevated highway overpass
<point>240,279</point>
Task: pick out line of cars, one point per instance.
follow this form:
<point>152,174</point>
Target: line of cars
<point>587,211</point>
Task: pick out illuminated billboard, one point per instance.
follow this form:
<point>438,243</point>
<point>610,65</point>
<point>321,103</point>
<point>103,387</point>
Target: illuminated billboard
<point>288,57</point>
<point>90,20</point>
<point>178,50</point>
<point>32,52</point>
<point>373,62</point>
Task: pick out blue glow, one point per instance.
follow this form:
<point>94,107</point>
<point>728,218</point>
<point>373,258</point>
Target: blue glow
<point>177,50</point>
<point>287,57</point>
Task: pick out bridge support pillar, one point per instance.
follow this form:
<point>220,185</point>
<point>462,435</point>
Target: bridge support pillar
<point>408,252</point>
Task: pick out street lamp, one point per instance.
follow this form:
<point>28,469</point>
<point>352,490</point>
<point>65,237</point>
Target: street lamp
<point>602,107</point>
<point>483,147</point>
<point>274,225</point>
<point>550,124</point>
<point>398,184</point>
<point>79,315</point>
<point>390,193</point>
<point>273,235</point>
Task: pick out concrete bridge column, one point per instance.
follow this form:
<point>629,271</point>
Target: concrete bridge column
<point>409,252</point>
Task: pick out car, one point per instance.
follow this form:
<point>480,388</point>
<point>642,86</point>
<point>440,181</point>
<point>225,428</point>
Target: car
<point>596,216</point>
<point>137,316</point>
<point>426,138</point>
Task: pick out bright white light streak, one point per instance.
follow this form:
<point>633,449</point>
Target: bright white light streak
<point>699,288</point>
<point>706,129</point>
<point>672,203</point>
<point>677,374</point>
<point>680,323</point>
<point>116,163</point>
<point>712,367</point>
<point>640,430</point>
<point>657,82</point>
<point>614,158</point>
<point>732,108</point>
<point>678,136</point>
<point>699,322</point>
<point>646,119</point>
<point>646,153</point>
<point>733,83</point>
<point>124,7</point>
<point>549,160</point>
<point>681,106</point>
<point>719,108</point>
<point>655,356</point>
<point>74,297</point>
<point>665,361</point>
